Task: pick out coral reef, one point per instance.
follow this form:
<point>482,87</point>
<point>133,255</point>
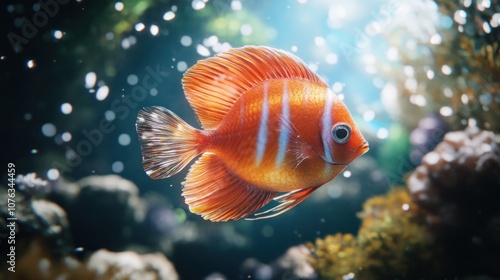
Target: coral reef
<point>130,265</point>
<point>475,60</point>
<point>37,263</point>
<point>31,184</point>
<point>424,138</point>
<point>440,56</point>
<point>116,210</point>
<point>457,188</point>
<point>336,256</point>
<point>38,217</point>
<point>446,223</point>
<point>95,212</point>
<point>292,265</point>
<point>391,243</point>
<point>107,212</point>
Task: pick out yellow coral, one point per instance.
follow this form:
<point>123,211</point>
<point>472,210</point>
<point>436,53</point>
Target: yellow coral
<point>335,256</point>
<point>390,243</point>
<point>455,67</point>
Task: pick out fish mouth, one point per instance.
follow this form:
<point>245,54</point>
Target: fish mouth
<point>363,148</point>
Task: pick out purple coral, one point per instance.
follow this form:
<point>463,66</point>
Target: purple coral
<point>426,136</point>
<point>457,187</point>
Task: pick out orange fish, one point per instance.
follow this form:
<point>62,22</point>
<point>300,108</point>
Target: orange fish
<point>272,130</point>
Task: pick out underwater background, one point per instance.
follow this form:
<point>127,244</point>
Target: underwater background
<point>421,78</point>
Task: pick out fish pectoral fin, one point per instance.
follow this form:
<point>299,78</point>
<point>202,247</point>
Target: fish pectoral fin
<point>287,201</point>
<point>300,150</point>
<point>215,193</point>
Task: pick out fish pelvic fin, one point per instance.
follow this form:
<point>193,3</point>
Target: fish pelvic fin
<point>167,142</point>
<point>214,192</point>
<point>286,202</point>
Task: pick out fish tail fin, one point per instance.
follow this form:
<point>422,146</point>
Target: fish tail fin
<point>167,142</point>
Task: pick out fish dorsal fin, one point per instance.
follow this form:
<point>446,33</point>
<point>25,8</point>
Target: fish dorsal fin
<point>212,86</point>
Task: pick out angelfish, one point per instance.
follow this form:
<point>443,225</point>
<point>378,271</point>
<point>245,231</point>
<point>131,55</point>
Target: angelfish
<point>272,130</point>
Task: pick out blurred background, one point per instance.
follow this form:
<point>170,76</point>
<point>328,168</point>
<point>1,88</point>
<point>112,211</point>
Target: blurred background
<point>76,73</point>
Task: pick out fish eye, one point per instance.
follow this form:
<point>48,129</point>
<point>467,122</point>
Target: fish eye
<point>341,133</point>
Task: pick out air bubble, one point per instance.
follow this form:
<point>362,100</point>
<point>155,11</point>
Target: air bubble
<point>154,30</point>
<point>181,66</point>
<point>198,4</point>
<point>460,17</point>
<point>337,87</point>
<point>368,115</point>
<point>66,108</point>
<point>139,27</point>
<point>246,29</point>
<point>202,50</point>
<point>58,34</point>
<point>132,79</point>
<point>331,58</point>
<point>169,16</point>
<point>66,136</point>
<point>53,174</point>
<point>382,133</point>
<point>446,111</point>
<point>90,80</point>
<point>186,41</point>
<point>236,5</point>
<point>31,64</point>
<point>124,139</point>
<point>49,130</point>
<point>102,93</point>
<point>119,6</point>
<point>109,115</point>
<point>117,166</point>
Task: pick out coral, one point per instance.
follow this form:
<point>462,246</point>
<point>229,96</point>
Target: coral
<point>424,138</point>
<point>130,265</point>
<point>447,222</point>
<point>457,188</point>
<point>37,217</point>
<point>391,243</point>
<point>30,184</point>
<point>336,256</point>
<point>394,243</point>
<point>440,56</point>
<point>475,59</point>
<point>37,263</point>
<point>462,171</point>
<point>44,247</point>
<point>215,276</point>
<point>103,211</point>
<point>293,264</point>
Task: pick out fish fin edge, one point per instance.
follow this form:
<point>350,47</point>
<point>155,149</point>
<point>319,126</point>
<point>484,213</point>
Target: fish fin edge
<point>212,86</point>
<point>286,202</point>
<point>167,143</point>
<point>213,192</point>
